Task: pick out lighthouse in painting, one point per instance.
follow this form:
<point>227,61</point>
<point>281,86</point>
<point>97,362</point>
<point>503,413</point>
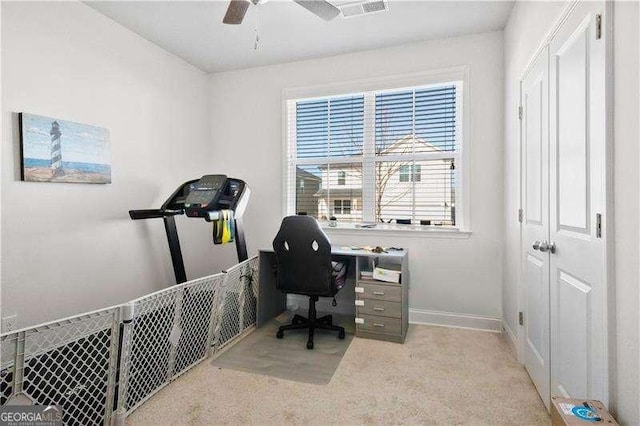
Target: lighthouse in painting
<point>56,149</point>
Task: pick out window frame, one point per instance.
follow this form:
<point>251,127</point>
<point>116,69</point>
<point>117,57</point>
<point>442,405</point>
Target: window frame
<point>335,206</point>
<point>458,76</point>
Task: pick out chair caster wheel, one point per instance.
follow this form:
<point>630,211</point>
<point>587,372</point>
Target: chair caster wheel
<point>341,335</point>
<point>279,334</point>
<point>309,344</point>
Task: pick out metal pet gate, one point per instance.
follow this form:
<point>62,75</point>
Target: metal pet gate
<point>102,365</point>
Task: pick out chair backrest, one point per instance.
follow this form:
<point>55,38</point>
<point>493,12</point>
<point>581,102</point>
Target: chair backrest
<point>303,256</point>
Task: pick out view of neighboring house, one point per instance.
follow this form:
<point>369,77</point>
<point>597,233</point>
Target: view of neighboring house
<point>307,186</point>
<point>341,192</point>
<point>417,191</point>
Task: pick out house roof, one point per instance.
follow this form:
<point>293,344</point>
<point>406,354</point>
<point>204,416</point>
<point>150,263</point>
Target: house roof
<point>408,140</point>
<point>305,174</point>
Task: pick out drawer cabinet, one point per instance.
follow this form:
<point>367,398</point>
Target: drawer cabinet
<point>382,310</point>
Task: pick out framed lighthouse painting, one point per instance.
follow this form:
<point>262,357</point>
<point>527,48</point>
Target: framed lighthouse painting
<point>55,150</point>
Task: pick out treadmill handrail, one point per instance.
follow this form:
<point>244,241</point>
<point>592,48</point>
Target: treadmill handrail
<point>153,213</point>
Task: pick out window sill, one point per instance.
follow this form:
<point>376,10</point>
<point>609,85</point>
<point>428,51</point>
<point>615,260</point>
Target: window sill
<point>419,231</point>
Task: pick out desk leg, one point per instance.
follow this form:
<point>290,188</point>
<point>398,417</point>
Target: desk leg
<point>271,301</point>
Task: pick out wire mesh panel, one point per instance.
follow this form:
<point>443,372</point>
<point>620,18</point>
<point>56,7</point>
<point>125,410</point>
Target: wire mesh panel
<point>196,322</point>
<point>70,363</point>
<point>236,310</point>
<point>171,332</point>
<point>150,348</point>
<point>6,384</point>
<point>7,366</point>
<point>249,281</point>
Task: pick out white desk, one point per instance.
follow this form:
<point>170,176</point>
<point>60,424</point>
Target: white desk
<point>382,309</point>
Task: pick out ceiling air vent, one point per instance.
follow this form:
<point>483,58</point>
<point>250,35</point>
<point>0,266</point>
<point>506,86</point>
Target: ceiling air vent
<point>353,9</point>
<point>374,6</point>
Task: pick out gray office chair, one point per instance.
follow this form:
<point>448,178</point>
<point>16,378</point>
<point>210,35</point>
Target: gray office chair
<point>304,266</point>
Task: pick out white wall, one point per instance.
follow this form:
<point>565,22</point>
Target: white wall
<point>459,275</point>
<point>626,333</point>
<point>72,247</point>
<point>523,35</point>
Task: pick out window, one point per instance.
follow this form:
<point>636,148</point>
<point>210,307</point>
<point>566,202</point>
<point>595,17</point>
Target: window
<point>383,156</point>
<point>342,177</point>
<point>342,207</point>
<point>406,175</point>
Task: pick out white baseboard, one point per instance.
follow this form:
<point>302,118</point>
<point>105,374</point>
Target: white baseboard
<point>416,316</point>
<point>449,319</point>
<point>512,340</point>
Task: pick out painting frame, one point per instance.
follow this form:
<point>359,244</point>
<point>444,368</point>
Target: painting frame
<point>62,151</point>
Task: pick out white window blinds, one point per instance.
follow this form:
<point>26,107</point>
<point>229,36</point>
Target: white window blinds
<point>379,156</point>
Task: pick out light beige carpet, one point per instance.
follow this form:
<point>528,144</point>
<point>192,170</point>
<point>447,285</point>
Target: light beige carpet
<point>439,376</point>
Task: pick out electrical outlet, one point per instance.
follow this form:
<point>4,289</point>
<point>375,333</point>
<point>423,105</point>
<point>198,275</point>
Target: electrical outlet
<point>9,323</point>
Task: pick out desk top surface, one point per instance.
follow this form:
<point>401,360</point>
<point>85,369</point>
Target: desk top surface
<point>357,251</point>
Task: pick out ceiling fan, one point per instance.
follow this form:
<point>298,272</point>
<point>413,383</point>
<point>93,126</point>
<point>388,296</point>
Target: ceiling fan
<point>238,8</point>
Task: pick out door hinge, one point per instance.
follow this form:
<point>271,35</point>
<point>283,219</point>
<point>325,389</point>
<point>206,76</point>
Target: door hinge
<point>598,225</point>
<point>521,318</point>
<point>520,215</point>
<point>598,27</point>
<point>520,112</point>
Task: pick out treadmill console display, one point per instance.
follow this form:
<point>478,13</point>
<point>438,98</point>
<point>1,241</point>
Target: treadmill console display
<point>204,195</point>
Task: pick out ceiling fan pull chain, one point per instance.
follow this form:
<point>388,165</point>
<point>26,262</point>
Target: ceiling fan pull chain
<point>255,29</point>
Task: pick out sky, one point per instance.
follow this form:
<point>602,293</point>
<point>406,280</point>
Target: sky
<point>81,143</point>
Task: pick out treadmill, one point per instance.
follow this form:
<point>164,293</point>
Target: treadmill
<point>204,198</point>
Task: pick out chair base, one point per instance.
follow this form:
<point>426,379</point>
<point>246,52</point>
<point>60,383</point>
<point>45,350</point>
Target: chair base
<point>298,322</point>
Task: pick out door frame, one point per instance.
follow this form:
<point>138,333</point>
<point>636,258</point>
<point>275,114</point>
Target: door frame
<point>608,225</point>
<point>544,56</point>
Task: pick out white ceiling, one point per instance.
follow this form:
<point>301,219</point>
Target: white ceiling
<point>193,30</point>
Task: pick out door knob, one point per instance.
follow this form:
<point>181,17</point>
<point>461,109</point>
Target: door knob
<point>545,246</point>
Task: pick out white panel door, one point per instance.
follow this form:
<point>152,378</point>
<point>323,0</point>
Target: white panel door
<point>535,263</point>
<point>576,199</point>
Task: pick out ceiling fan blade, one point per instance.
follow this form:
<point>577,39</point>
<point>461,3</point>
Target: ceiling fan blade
<point>235,11</point>
<point>321,8</point>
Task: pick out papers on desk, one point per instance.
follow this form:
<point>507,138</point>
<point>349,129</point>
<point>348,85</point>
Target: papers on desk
<point>390,273</point>
<point>355,248</point>
<point>376,249</point>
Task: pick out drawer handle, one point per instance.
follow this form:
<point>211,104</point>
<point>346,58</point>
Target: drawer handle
<point>377,324</point>
<point>378,293</point>
<point>378,308</point>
